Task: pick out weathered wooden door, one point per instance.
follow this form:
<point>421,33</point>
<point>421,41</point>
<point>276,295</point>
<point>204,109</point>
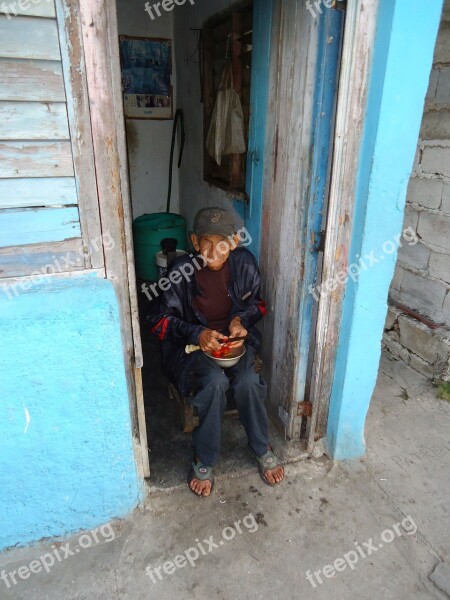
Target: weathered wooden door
<point>304,76</point>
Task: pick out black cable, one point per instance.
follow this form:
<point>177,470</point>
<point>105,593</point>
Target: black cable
<point>178,115</point>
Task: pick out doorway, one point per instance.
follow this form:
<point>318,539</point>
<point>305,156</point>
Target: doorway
<point>294,79</point>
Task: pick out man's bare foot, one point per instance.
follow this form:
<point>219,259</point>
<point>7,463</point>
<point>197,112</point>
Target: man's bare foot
<point>201,488</point>
<point>269,468</point>
<point>200,478</point>
<point>275,475</point>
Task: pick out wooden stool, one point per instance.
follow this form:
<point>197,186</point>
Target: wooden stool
<point>189,415</point>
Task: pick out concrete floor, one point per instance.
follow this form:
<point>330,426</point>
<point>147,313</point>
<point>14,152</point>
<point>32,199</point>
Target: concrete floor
<point>309,522</point>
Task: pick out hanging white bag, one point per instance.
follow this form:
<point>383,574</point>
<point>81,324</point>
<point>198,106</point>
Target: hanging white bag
<point>226,130</point>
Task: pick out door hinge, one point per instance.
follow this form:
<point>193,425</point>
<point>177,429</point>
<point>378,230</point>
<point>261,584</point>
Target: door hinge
<point>304,409</point>
<point>319,242</point>
<point>339,5</point>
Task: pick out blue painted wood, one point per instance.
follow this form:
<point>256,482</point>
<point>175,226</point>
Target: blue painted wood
<point>325,96</point>
<point>36,159</point>
<point>34,226</point>
<point>29,37</point>
<point>23,261</point>
<point>262,29</point>
<point>31,80</point>
<point>36,191</point>
<point>42,8</point>
<point>33,121</point>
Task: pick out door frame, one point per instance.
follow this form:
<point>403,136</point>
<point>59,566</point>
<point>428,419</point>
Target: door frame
<point>103,76</point>
<point>359,41</point>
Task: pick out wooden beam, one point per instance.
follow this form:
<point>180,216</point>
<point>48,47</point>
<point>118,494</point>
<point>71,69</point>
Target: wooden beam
<point>78,111</point>
<point>125,189</point>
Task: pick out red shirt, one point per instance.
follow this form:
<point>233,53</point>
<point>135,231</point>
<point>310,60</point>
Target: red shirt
<point>214,302</point>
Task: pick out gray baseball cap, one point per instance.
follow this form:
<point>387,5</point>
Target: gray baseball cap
<point>214,221</point>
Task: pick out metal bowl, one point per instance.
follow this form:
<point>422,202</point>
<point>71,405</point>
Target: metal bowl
<point>231,361</point>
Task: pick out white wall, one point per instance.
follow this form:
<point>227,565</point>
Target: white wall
<point>194,192</point>
<point>149,141</point>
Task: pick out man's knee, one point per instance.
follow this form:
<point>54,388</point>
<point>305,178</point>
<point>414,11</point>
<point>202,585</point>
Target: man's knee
<point>247,379</point>
<point>217,379</point>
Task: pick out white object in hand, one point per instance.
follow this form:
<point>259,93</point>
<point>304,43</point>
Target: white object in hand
<point>191,348</point>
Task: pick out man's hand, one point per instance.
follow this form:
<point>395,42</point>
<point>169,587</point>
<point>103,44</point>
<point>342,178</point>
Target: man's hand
<point>237,330</point>
<point>208,340</point>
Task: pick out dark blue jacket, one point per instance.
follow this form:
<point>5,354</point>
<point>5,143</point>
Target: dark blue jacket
<point>177,324</point>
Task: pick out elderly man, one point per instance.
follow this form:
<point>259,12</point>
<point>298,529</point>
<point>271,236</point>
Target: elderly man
<point>217,297</point>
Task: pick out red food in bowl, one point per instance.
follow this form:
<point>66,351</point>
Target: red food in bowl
<point>224,351</point>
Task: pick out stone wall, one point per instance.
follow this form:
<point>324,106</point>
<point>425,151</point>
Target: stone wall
<point>421,283</point>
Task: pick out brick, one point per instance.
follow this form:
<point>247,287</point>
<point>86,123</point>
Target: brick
<point>435,229</point>
<point>421,366</point>
<point>442,365</point>
<point>426,192</point>
<point>436,125</point>
<point>416,166</point>
<point>438,94</point>
<point>442,97</point>
<point>395,349</point>
<point>391,317</point>
<point>446,310</point>
<point>432,87</point>
<point>416,256</point>
<point>411,218</point>
<point>446,13</point>
<point>397,279</point>
<point>442,50</point>
<point>446,199</point>
<point>436,160</point>
<point>418,338</point>
<point>423,295</point>
<point>440,266</point>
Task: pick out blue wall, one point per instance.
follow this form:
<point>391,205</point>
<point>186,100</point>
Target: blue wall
<point>66,455</point>
<point>403,55</point>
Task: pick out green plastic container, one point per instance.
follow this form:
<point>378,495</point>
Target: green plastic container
<point>148,232</point>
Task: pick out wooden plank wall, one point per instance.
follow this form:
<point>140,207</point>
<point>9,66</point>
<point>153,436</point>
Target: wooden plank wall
<point>38,192</point>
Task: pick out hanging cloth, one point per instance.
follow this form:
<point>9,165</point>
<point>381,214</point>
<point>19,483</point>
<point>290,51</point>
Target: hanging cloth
<point>226,130</point>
